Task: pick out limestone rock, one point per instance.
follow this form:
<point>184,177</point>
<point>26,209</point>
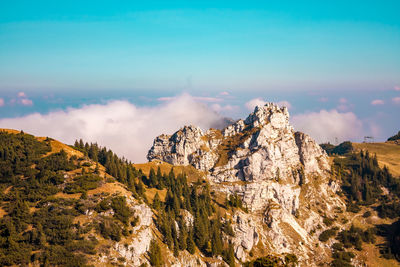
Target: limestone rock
<point>264,147</point>
<point>281,176</point>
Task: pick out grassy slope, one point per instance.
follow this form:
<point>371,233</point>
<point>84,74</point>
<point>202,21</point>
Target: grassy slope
<point>56,146</point>
<point>192,173</point>
<point>388,154</point>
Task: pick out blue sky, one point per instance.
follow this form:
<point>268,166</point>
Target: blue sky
<point>69,53</point>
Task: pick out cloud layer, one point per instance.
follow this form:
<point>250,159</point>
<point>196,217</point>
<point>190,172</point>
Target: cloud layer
<point>377,102</point>
<point>396,100</point>
<point>250,105</point>
<point>326,125</point>
<point>125,128</point>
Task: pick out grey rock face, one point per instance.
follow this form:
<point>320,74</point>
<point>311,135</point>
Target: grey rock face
<point>263,147</point>
<point>270,166</point>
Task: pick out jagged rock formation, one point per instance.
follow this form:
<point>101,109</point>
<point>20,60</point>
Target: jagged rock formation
<point>279,173</point>
<point>262,147</point>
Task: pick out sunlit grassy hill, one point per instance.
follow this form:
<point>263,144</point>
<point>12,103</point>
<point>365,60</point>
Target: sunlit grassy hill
<point>388,154</point>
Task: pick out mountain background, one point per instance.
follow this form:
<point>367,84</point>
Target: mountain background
<point>335,66</point>
<point>254,194</point>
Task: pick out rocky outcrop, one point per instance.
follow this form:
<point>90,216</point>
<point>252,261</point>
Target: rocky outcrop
<point>262,147</point>
<point>135,250</point>
<point>275,170</point>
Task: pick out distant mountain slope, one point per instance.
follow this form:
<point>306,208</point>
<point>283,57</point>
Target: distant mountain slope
<point>56,146</point>
<point>395,137</point>
<point>388,154</point>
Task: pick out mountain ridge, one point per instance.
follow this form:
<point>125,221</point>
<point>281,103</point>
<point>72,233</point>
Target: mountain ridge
<point>274,165</point>
<point>256,192</point>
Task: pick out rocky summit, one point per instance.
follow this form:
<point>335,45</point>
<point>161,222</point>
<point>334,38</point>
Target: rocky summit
<point>255,193</point>
<point>283,177</point>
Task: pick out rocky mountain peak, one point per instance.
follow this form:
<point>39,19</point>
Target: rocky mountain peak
<point>269,113</point>
<point>264,146</point>
<point>268,165</point>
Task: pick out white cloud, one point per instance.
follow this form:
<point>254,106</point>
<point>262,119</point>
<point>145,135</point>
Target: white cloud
<point>397,88</point>
<point>326,125</point>
<point>22,99</point>
<point>377,102</point>
<point>22,95</point>
<point>223,108</point>
<point>26,102</point>
<point>127,129</point>
<point>396,100</point>
<point>225,93</point>
<point>323,99</point>
<point>197,98</point>
<point>285,103</point>
<point>250,105</point>
<point>1,102</point>
<point>344,105</point>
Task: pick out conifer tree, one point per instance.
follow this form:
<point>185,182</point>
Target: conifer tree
<point>183,235</point>
<point>176,247</point>
<point>157,202</point>
<point>152,178</point>
<point>190,242</point>
<point>155,253</point>
<point>230,256</point>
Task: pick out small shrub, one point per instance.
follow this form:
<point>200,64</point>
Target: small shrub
<point>328,221</point>
<point>110,230</point>
<point>367,214</point>
<point>327,234</point>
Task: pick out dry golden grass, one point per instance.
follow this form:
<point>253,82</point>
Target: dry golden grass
<point>7,190</point>
<point>232,143</point>
<point>151,192</point>
<point>11,131</point>
<point>33,209</point>
<point>82,219</point>
<point>57,146</point>
<point>192,173</point>
<point>371,256</point>
<point>388,154</point>
<point>289,231</point>
<point>69,196</point>
<point>2,212</point>
<point>110,188</point>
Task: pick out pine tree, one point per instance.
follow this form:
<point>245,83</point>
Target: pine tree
<point>176,247</point>
<point>229,256</point>
<point>183,235</point>
<point>216,240</point>
<point>160,184</point>
<point>200,231</point>
<point>157,202</point>
<point>97,170</point>
<point>155,253</point>
<point>152,178</point>
<point>190,243</point>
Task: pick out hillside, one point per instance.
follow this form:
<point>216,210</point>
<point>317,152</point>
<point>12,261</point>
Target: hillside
<point>297,200</point>
<point>59,209</point>
<point>388,154</point>
<point>256,193</point>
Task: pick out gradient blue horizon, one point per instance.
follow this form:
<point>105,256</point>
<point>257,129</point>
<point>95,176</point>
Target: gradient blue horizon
<point>199,46</point>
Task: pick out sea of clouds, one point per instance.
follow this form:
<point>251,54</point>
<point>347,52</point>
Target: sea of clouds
<point>129,130</point>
